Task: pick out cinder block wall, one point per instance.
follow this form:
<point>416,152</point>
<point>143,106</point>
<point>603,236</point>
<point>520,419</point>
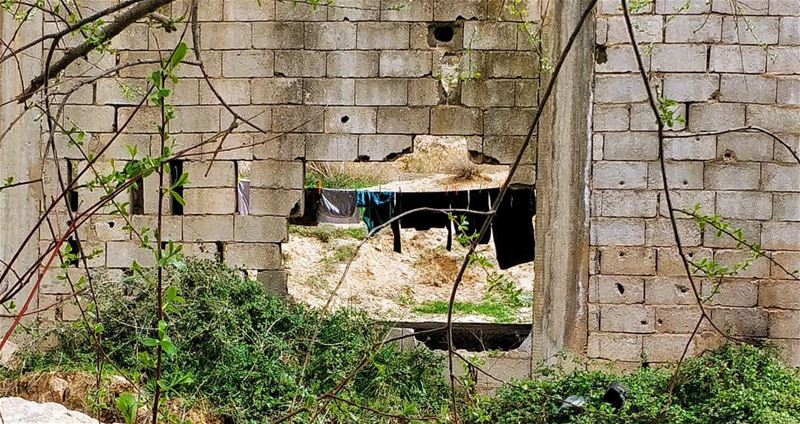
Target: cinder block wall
<point>354,81</point>
<point>725,71</point>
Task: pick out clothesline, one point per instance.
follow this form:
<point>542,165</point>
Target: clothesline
<point>511,229</point>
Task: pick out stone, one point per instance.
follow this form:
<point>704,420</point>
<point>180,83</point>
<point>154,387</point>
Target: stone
<point>20,411</point>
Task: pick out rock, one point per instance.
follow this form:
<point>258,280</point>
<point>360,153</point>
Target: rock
<point>15,410</point>
<point>58,388</point>
<point>7,353</point>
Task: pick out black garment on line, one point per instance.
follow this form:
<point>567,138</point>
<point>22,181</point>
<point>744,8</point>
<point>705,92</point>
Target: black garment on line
<point>310,209</point>
<point>513,228</point>
<point>425,220</point>
<point>477,200</point>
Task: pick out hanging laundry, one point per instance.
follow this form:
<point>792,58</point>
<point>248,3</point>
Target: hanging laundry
<point>513,227</point>
<point>243,197</point>
<point>475,200</point>
<point>338,207</point>
<point>378,207</point>
<point>425,220</point>
<point>311,199</point>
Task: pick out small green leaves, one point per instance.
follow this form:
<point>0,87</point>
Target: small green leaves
<point>128,407</point>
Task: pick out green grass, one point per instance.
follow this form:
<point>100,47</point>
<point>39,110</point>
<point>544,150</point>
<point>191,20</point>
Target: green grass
<point>326,233</point>
<point>488,308</point>
<point>342,180</point>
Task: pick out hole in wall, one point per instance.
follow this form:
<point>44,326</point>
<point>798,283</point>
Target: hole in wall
<point>473,337</point>
<point>111,224</point>
<point>75,249</point>
<point>137,197</point>
<point>644,322</point>
<point>444,33</point>
<point>175,172</point>
<point>600,54</point>
<point>683,289</point>
<point>220,250</point>
<point>345,119</point>
<point>620,288</point>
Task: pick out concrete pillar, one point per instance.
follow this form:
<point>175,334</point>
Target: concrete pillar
<point>562,223</point>
<point>19,150</point>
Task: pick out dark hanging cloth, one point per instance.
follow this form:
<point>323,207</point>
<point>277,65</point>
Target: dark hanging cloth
<point>479,201</point>
<point>425,220</point>
<point>378,207</point>
<point>338,207</point>
<point>513,227</point>
<point>311,199</point>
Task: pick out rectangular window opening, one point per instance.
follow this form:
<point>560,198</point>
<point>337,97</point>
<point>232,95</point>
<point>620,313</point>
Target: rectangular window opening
<point>137,197</point>
<point>72,196</point>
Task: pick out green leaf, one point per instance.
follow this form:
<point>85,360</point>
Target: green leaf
<point>178,198</point>
<point>169,347</point>
<point>150,342</point>
<point>177,57</point>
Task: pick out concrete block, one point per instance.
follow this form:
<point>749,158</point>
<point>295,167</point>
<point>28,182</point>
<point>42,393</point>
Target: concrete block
<point>676,319</point>
<point>488,93</point>
<point>262,229</point>
<point>691,87</point>
<point>643,118</point>
<point>383,36</point>
<point>774,118</point>
<point>778,294</point>
<point>619,175</point>
<point>780,177</point>
<point>409,10</point>
<point>171,226</point>
<point>503,150</point>
<point>276,202</point>
<point>647,29</point>
<point>742,321</point>
<point>332,147</point>
<point>625,203</point>
<point>122,254</point>
<point>277,174</point>
<point>208,228</point>
<point>667,347</point>
<point>619,89</point>
<point>246,10</point>
<point>225,35</point>
<point>484,35</point>
<point>743,7</point>
<point>784,7</point>
<point>610,118</point>
<point>381,92</point>
<point>350,120</point>
<point>526,93</point>
<point>503,64</point>
<point>783,324</point>
<point>248,64</point>
<point>329,91</point>
<point>627,319</point>
<point>715,116</point>
<point>748,89</point>
<point>351,64</point>
<point>275,282</point>
<point>786,206</point>
<point>299,11</point>
<point>456,120</point>
<point>659,232</point>
<point>330,35</point>
<point>627,261</point>
<point>620,59</point>
<point>220,174</point>
<point>91,118</point>
<point>742,59</point>
<point>745,147</point>
<point>744,205</point>
<point>686,200</point>
<point>790,30</point>
<point>403,120</point>
<point>784,60</point>
<point>690,148</point>
<point>233,91</point>
<point>693,58</point>
<point>630,146</point>
<point>617,232</point>
<point>693,29</point>
<point>198,119</point>
<point>750,229</point>
<point>760,268</point>
<point>789,91</point>
<point>278,35</point>
<point>273,91</point>
<point>297,118</point>
<point>615,347</point>
<point>423,92</point>
<point>300,63</point>
<point>383,147</point>
<point>508,121</point>
<point>448,10</point>
<point>210,201</point>
<point>737,292</point>
<point>669,291</point>
<point>398,63</point>
<point>259,256</point>
<point>671,265</point>
<point>616,289</point>
<point>755,30</point>
<point>780,235</point>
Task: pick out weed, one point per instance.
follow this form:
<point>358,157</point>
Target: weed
<point>499,311</point>
<point>326,233</point>
<point>341,176</point>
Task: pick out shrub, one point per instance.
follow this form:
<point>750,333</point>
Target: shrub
<point>245,351</point>
<point>734,384</point>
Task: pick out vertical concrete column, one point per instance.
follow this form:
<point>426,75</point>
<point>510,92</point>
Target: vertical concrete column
<point>20,149</point>
<point>562,232</point>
